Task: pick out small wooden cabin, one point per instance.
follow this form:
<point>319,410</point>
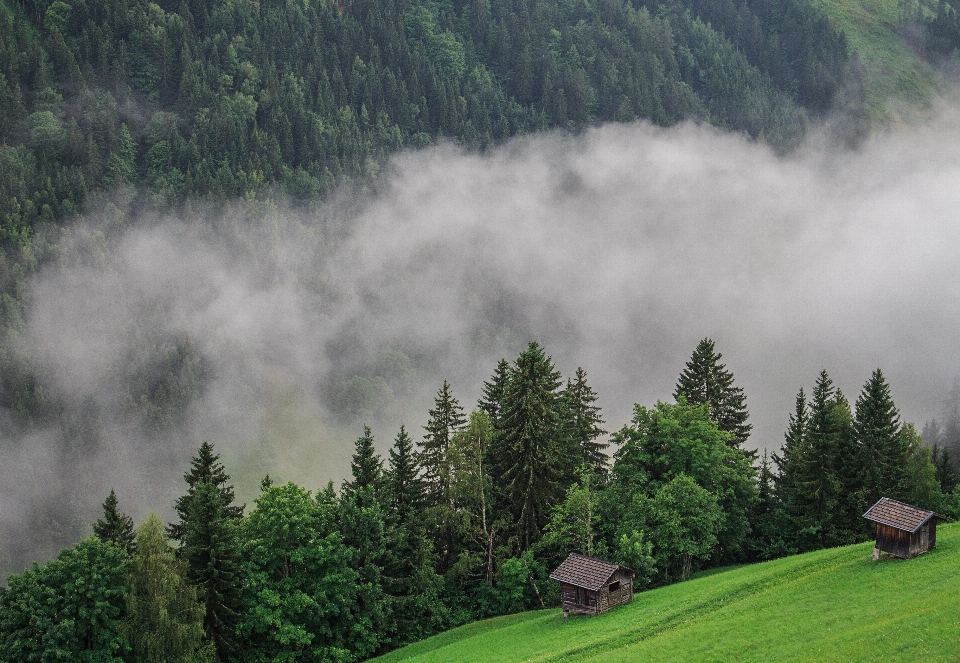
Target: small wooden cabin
<point>589,586</point>
<point>903,530</point>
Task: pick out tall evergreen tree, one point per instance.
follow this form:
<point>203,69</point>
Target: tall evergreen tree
<point>786,460</point>
<point>366,466</point>
<point>409,577</point>
<point>115,527</point>
<point>882,455</point>
<point>405,489</point>
<point>446,418</point>
<point>207,533</point>
<point>493,392</point>
<point>209,547</point>
<point>706,380</point>
<point>529,453</point>
<point>204,467</point>
<point>813,503</point>
<point>584,423</point>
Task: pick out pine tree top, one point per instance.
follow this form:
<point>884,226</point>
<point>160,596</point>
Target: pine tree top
<point>365,466</point>
<point>205,467</point>
<point>115,527</point>
<point>705,380</point>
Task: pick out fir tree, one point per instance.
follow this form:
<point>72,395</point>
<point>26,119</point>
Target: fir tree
<point>207,533</point>
<point>446,418</point>
<point>408,578</point>
<point>814,495</point>
<point>882,458</point>
<point>204,467</point>
<point>210,550</point>
<point>529,452</point>
<point>706,380</point>
<point>584,423</point>
<point>365,466</point>
<point>405,489</point>
<point>493,392</point>
<point>115,527</point>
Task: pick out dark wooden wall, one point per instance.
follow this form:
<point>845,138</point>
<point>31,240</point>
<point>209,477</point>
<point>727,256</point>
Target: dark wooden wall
<point>904,544</point>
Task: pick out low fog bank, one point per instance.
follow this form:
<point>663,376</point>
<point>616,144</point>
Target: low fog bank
<point>617,250</point>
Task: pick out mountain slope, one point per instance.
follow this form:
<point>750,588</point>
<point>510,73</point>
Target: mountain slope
<point>899,85</point>
<point>828,605</point>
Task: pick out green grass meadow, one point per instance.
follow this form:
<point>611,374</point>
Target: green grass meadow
<point>830,605</point>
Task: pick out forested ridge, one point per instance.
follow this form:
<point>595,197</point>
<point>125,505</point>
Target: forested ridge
<point>466,519</point>
<point>228,99</point>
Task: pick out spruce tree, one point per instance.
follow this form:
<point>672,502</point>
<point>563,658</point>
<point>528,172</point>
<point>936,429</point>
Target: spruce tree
<point>706,380</point>
<point>883,458</point>
<point>408,577</point>
<point>405,490</point>
<point>584,423</point>
<point>205,466</point>
<point>115,527</point>
<point>207,533</point>
<point>209,548</point>
<point>813,505</point>
<point>366,466</point>
<point>529,454</point>
<point>446,418</point>
<point>493,392</point>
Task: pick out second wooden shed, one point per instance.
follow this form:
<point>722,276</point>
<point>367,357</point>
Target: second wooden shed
<point>589,586</point>
<point>903,530</point>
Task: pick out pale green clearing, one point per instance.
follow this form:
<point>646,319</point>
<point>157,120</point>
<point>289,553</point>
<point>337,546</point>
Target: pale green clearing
<point>900,86</point>
<point>830,605</point>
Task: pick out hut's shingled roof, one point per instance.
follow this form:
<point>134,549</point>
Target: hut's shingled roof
<point>897,514</point>
<point>583,571</point>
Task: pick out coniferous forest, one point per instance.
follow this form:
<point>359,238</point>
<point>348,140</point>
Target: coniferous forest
<point>466,518</point>
<point>187,108</point>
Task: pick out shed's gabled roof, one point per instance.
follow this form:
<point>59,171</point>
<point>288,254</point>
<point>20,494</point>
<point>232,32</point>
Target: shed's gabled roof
<point>588,572</point>
<point>905,517</point>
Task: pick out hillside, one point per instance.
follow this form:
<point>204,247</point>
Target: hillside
<point>832,604</point>
<point>898,84</point>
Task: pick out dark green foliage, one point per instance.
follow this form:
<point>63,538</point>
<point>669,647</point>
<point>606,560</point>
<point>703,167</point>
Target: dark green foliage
<point>164,621</point>
<point>493,391</point>
<point>584,423</point>
<point>706,380</point>
<point>530,453</point>
<point>115,527</point>
<point>363,528</point>
<point>205,467</point>
<point>255,97</point>
<point>69,609</point>
<point>410,582</point>
<point>210,549</point>
<point>366,466</point>
<point>659,446</point>
<point>207,533</point>
<point>446,418</point>
<point>299,582</point>
<point>882,449</point>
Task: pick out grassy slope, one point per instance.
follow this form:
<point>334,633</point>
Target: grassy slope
<point>831,605</point>
<point>900,86</point>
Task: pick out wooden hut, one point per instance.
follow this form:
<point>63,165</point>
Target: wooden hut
<point>903,530</point>
<point>589,586</point>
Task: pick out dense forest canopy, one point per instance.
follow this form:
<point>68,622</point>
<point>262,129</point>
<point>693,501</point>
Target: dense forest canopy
<point>228,99</point>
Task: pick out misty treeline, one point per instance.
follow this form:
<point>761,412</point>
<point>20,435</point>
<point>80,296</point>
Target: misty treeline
<point>174,100</point>
<point>932,27</point>
<point>466,519</point>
